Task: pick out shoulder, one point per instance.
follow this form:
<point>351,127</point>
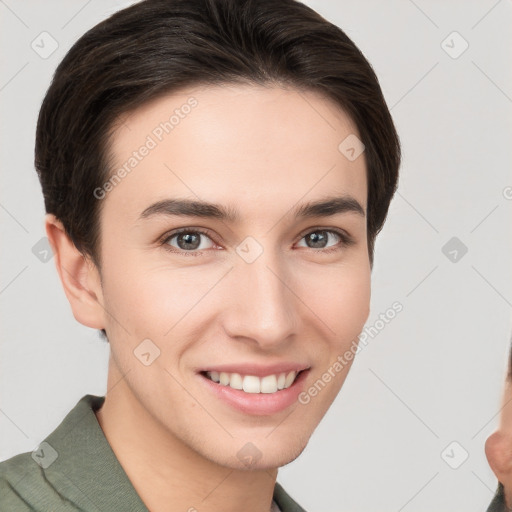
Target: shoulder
<point>39,480</point>
<point>21,483</point>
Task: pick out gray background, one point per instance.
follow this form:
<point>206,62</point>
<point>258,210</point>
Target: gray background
<point>434,374</point>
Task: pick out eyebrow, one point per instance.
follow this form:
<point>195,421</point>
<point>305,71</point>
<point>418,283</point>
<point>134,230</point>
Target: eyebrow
<point>326,207</point>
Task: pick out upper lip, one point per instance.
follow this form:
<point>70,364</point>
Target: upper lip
<point>258,370</point>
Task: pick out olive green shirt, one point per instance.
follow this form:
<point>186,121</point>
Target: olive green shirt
<point>498,502</point>
<point>75,469</point>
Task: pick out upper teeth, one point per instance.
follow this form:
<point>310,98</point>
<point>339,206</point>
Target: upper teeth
<point>253,384</point>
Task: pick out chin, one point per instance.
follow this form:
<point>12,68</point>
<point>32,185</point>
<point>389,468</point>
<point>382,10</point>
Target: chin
<point>270,457</point>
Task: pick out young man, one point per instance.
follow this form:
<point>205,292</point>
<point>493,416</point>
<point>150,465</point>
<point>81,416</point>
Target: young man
<point>498,449</point>
<point>215,173</point>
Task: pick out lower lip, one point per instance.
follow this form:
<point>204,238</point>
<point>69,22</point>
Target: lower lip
<point>258,403</point>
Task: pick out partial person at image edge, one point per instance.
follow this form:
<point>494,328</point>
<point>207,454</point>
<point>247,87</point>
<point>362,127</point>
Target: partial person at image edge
<point>498,449</point>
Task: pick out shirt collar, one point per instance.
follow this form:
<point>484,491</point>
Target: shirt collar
<point>86,469</point>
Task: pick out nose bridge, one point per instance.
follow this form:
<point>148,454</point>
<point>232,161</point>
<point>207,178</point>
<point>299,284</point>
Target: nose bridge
<point>263,305</point>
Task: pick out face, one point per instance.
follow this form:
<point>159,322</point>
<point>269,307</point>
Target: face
<point>248,289</point>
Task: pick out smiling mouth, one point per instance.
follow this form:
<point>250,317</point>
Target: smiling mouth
<point>253,384</point>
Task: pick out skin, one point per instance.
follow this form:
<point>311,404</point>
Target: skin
<point>498,447</point>
<point>263,151</point>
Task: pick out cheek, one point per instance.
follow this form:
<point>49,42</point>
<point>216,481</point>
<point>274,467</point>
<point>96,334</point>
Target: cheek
<point>343,308</point>
<point>156,301</point>
<point>343,303</point>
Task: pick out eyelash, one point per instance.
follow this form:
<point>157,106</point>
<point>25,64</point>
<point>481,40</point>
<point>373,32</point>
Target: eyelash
<point>345,240</point>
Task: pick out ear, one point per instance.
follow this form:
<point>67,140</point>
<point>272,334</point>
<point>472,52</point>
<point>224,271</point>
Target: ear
<point>79,276</point>
<point>498,450</point>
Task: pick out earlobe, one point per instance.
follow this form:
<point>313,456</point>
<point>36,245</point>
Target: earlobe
<point>78,275</point>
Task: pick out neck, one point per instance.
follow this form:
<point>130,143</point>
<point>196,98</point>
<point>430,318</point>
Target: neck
<point>165,472</point>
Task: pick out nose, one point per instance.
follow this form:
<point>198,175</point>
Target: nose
<point>262,305</point>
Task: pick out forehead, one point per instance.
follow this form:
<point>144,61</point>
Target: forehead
<point>253,145</point>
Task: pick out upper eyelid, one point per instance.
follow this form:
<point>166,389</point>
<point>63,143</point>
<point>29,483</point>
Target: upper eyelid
<point>177,231</point>
<point>337,231</point>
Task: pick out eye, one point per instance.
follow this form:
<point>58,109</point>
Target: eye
<point>318,239</point>
<point>187,240</point>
